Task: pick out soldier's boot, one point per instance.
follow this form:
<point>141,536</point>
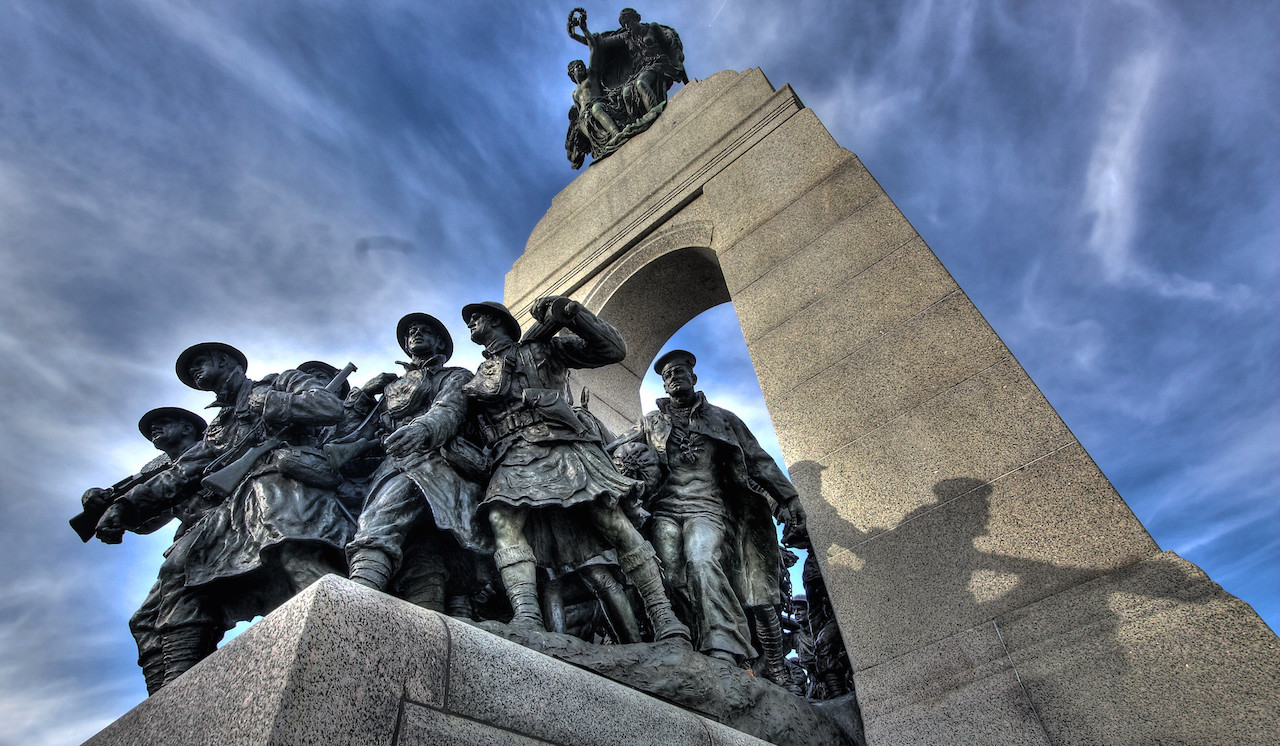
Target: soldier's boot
<point>460,606</point>
<point>833,683</point>
<point>519,574</point>
<point>641,565</point>
<point>371,568</point>
<point>427,591</point>
<point>153,670</point>
<point>613,597</point>
<point>769,632</point>
<point>184,646</point>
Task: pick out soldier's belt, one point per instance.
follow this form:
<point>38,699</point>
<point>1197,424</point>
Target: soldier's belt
<point>511,422</point>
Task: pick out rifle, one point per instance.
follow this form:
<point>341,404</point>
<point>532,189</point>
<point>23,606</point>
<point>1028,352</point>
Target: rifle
<point>342,451</point>
<point>86,520</point>
<point>223,481</point>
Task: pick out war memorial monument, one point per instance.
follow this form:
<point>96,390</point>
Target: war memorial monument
<point>526,553</point>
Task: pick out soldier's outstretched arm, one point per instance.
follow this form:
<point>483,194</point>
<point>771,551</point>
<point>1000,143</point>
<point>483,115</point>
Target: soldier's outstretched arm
<point>594,343</point>
<point>296,398</point>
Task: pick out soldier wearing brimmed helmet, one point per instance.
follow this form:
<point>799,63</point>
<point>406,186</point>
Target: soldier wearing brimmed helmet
<point>418,537</point>
<point>173,431</point>
<point>553,499</point>
<point>278,529</point>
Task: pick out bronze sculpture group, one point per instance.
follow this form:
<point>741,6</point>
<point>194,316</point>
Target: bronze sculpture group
<point>474,486</point>
<point>486,494</point>
<point>623,85</point>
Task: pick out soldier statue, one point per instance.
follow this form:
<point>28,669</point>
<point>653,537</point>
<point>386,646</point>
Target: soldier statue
<point>712,524</point>
<point>173,431</point>
<point>554,496</point>
<point>419,526</point>
<point>278,526</point>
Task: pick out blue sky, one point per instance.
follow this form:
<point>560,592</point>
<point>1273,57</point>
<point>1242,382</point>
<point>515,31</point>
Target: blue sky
<point>292,177</point>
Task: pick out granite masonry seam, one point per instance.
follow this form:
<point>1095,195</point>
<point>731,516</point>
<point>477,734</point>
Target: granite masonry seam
<point>706,731</point>
<point>784,99</point>
<point>854,211</point>
<point>965,676</point>
<point>910,410</point>
<point>995,625</point>
<point>853,352</point>
<point>845,550</point>
<point>400,708</point>
<point>667,204</point>
<point>673,135</point>
<point>848,280</point>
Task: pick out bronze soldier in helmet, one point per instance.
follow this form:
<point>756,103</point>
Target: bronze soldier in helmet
<point>554,496</point>
<point>419,537</point>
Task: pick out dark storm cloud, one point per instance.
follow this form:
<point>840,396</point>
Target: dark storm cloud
<point>292,177</point>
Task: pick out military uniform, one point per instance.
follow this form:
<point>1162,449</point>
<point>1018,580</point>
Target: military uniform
<point>419,525</point>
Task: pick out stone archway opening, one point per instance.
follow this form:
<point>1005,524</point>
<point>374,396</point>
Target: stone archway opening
<point>649,301</point>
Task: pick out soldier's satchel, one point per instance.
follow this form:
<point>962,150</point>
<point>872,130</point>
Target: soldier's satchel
<point>468,459</point>
<point>551,407</point>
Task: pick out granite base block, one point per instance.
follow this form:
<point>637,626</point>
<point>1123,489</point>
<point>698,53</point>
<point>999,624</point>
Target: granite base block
<point>673,672</point>
<point>342,664</point>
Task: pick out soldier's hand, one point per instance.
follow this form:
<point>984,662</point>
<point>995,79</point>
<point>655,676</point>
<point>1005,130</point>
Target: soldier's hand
<point>110,529</point>
<point>95,498</point>
<point>406,440</point>
<point>795,532</point>
<point>555,308</point>
<point>541,306</point>
<point>379,382</point>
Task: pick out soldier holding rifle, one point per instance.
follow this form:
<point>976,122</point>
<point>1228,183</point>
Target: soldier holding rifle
<point>419,528</point>
<point>173,431</point>
<point>279,526</point>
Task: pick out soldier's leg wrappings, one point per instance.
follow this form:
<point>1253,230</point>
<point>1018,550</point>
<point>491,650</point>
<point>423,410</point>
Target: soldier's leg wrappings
<point>769,631</point>
<point>150,646</point>
<point>184,646</point>
<point>641,565</point>
<point>371,568</point>
<point>519,575</point>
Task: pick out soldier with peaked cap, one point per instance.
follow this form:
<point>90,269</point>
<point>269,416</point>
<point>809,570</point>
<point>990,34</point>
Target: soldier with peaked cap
<point>553,498</point>
<point>172,430</point>
<point>712,518</point>
<point>280,528</point>
<point>419,536</point>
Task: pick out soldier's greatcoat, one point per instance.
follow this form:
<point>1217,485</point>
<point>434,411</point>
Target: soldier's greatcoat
<point>445,479</point>
<point>752,487</point>
<point>544,456</point>
<point>286,498</point>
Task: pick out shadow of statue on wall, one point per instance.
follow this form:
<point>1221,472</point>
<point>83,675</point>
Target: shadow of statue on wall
<point>943,572</point>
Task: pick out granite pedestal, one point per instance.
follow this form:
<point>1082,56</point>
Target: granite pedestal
<point>342,664</point>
